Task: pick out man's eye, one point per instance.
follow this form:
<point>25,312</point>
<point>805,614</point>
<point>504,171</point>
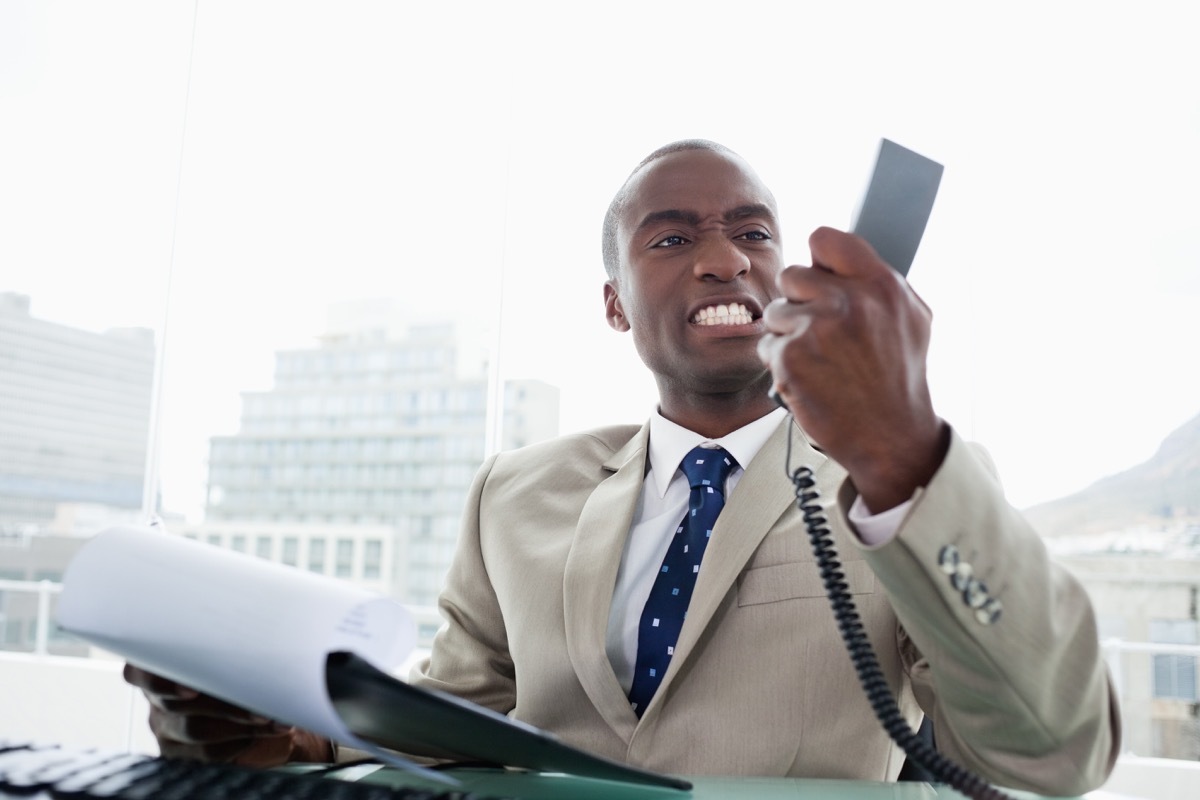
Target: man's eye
<point>671,241</point>
<point>756,236</point>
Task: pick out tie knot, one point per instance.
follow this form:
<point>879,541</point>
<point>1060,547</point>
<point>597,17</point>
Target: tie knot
<point>708,466</point>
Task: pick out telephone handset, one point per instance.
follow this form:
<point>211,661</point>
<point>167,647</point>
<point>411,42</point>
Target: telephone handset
<point>896,206</point>
<point>892,218</point>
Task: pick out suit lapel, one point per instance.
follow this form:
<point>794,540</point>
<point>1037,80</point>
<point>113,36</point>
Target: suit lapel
<point>591,573</point>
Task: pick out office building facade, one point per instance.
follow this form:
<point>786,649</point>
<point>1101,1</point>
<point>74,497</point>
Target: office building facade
<point>74,416</point>
<point>1152,600</point>
<point>369,430</point>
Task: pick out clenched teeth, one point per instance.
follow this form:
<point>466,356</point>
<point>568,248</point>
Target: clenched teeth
<point>732,314</point>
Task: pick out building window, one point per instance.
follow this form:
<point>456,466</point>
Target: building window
<point>345,558</point>
<point>237,543</point>
<point>262,547</point>
<point>316,555</point>
<point>214,539</point>
<point>291,551</point>
<point>1174,675</point>
<point>372,558</point>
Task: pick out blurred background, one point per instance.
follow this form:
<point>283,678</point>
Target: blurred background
<point>263,263</point>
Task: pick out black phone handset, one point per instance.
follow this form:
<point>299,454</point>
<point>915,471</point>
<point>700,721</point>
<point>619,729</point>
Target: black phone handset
<point>892,218</point>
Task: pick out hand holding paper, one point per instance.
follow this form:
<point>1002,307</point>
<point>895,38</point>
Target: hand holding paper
<point>192,725</point>
<point>249,632</point>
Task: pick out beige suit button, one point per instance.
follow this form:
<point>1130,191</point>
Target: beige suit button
<point>976,593</point>
<point>963,574</point>
<point>948,559</point>
<point>990,612</point>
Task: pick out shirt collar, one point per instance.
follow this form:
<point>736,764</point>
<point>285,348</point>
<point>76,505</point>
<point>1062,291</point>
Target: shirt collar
<point>669,443</point>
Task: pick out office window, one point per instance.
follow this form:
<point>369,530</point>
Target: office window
<point>1174,675</point>
<point>345,558</point>
<point>263,547</point>
<point>316,555</point>
<point>237,543</point>
<point>291,551</point>
<point>372,558</point>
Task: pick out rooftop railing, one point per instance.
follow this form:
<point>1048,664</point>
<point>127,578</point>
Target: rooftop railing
<point>44,590</point>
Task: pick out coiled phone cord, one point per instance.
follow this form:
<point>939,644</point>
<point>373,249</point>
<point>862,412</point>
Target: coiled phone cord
<point>866,664</point>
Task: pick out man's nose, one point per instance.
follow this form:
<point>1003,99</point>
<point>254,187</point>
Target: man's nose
<point>721,260</point>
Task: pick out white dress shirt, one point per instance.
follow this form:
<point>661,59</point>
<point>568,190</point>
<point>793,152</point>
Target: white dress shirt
<point>663,502</point>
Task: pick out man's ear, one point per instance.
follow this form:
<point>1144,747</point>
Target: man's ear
<point>613,311</point>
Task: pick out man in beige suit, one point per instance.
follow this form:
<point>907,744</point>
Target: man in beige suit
<point>562,542</point>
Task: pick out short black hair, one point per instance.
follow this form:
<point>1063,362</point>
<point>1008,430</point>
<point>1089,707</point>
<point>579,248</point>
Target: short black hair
<point>608,238</point>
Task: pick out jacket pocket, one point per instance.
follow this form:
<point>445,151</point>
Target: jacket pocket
<point>798,579</point>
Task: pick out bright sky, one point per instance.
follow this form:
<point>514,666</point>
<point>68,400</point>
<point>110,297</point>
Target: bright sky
<point>459,157</point>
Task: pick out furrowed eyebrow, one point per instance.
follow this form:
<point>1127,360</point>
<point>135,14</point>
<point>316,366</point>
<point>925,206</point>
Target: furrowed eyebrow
<point>670,215</point>
<point>752,210</point>
<point>692,218</point>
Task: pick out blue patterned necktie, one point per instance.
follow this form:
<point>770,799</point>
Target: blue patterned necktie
<point>662,618</point>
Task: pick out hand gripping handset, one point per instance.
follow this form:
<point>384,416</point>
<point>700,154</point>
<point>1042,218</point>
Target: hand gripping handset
<point>891,217</point>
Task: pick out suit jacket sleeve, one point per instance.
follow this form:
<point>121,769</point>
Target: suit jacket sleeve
<point>1017,689</point>
<point>473,657</point>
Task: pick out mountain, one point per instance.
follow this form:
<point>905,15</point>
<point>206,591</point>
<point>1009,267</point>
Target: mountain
<point>1162,489</point>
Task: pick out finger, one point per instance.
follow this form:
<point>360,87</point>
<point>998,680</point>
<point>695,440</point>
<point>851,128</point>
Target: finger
<point>202,729</point>
<point>787,318</point>
<point>175,698</point>
<point>799,284</point>
<point>770,352</point>
<point>308,746</point>
<point>254,752</point>
<point>766,348</point>
<point>157,685</point>
<point>207,706</point>
<point>268,752</point>
<point>844,253</point>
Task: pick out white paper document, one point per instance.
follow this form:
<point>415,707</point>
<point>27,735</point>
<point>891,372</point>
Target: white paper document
<point>245,630</point>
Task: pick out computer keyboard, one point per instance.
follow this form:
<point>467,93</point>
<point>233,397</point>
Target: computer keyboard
<point>36,772</point>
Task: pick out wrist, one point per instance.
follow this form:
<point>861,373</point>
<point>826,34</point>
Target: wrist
<point>885,480</point>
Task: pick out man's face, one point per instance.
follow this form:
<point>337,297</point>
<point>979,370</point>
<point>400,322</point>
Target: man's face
<point>700,249</point>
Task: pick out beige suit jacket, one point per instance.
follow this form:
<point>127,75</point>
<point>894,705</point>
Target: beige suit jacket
<point>760,683</point>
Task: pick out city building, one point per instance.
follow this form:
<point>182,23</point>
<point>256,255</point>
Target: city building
<point>1145,586</point>
<point>74,416</point>
<point>379,428</point>
<point>74,426</point>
